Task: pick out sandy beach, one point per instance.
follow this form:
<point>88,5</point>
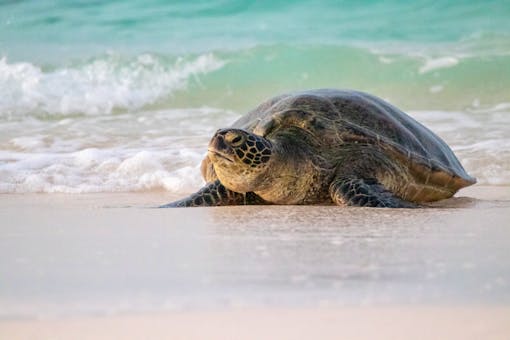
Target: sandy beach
<point>107,109</point>
<point>95,266</point>
<point>311,323</point>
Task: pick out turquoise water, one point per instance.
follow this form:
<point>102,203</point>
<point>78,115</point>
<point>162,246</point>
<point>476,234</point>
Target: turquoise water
<point>388,47</point>
<point>104,78</point>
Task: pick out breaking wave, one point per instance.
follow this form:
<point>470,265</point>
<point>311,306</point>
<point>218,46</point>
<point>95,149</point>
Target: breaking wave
<point>99,86</point>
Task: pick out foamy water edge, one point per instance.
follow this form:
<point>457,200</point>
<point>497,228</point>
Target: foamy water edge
<point>165,150</point>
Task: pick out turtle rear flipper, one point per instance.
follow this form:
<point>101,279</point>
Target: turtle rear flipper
<point>215,194</point>
<point>363,192</point>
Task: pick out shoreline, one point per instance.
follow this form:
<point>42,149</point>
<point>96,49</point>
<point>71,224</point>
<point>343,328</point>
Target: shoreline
<point>150,198</point>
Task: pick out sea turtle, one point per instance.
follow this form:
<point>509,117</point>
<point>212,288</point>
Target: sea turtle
<point>327,146</point>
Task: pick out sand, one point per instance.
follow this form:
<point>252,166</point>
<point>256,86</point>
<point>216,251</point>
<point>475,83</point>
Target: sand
<point>110,266</point>
<point>322,323</point>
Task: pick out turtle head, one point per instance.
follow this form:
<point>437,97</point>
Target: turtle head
<point>240,159</point>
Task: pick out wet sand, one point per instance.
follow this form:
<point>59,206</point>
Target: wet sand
<point>110,266</point>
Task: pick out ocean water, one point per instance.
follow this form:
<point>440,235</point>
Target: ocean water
<point>103,96</point>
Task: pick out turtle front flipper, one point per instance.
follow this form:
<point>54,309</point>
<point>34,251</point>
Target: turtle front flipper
<point>215,194</point>
<point>365,193</point>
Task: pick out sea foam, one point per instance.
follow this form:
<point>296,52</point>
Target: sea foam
<point>438,63</point>
<point>100,171</point>
<point>147,150</point>
<point>165,149</point>
<point>98,86</point>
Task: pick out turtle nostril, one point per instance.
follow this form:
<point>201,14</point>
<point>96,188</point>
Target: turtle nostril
<point>218,142</point>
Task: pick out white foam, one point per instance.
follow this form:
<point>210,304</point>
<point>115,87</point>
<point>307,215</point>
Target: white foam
<point>143,150</point>
<point>27,142</point>
<point>163,149</point>
<point>96,87</point>
<point>500,107</point>
<point>438,63</point>
<point>99,171</point>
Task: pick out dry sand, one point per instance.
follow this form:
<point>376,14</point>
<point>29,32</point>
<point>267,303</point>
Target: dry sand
<point>275,323</point>
<point>107,266</point>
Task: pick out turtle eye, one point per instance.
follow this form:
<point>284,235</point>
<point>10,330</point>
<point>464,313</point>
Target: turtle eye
<point>234,139</point>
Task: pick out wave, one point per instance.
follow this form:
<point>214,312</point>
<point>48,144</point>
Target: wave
<point>99,86</point>
<point>409,79</point>
<point>242,78</point>
<point>130,123</point>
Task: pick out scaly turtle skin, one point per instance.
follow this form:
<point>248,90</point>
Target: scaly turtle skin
<point>327,146</point>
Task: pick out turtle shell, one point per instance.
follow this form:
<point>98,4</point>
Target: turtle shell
<point>337,117</point>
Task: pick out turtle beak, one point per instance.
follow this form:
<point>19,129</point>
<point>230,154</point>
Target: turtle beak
<point>218,148</point>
